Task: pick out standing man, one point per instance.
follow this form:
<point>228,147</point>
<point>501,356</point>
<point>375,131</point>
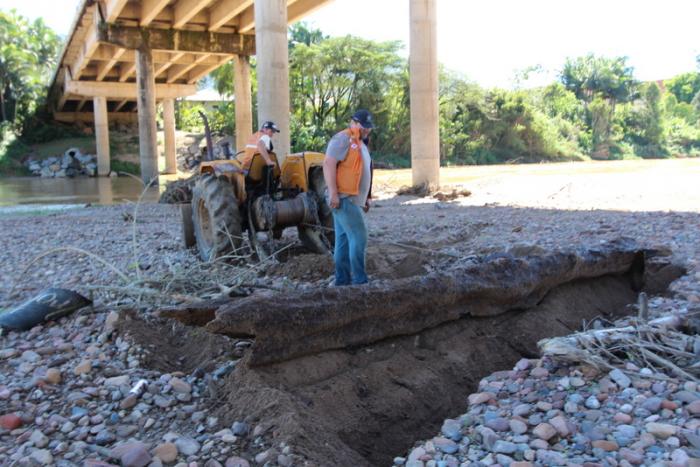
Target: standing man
<point>347,170</point>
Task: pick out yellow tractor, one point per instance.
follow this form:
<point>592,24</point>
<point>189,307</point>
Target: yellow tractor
<point>228,200</point>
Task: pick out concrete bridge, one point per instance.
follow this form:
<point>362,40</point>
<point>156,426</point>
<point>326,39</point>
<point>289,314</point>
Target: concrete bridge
<point>122,57</point>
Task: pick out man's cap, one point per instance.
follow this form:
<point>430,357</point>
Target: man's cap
<point>364,118</point>
<point>270,125</point>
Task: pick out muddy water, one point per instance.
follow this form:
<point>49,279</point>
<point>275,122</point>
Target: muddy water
<point>77,191</point>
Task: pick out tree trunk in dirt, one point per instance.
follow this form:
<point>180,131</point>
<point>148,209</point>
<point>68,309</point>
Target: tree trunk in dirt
<point>302,323</point>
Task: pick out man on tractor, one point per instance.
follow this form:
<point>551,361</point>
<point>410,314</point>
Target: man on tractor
<point>259,142</point>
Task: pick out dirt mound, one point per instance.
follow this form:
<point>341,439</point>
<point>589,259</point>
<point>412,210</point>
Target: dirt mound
<point>170,346</point>
<point>383,262</point>
<point>364,406</point>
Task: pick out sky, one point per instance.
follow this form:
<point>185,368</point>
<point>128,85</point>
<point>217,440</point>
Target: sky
<point>488,41</point>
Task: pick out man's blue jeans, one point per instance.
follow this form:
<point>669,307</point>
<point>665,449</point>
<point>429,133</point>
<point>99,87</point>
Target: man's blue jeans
<point>350,243</point>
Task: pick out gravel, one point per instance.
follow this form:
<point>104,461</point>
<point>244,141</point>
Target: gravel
<point>64,386</point>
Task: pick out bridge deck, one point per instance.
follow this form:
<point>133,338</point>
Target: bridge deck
<point>188,38</point>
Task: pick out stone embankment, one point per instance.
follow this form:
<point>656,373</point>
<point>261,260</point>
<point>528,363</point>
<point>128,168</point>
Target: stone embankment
<point>72,163</point>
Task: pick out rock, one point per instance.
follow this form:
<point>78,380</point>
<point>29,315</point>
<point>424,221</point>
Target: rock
<point>592,402</point>
<point>680,457</point>
<point>504,447</point>
<point>111,322</point>
<point>661,430</point>
<point>517,427</point>
<point>539,372</point>
<point>30,356</point>
<point>605,445</point>
<point>445,445</point>
<point>117,381</point>
<point>620,378</point>
<point>39,439</point>
<point>180,386</point>
<point>498,424</point>
<point>452,429</point>
<point>187,446</point>
<point>480,398</point>
<point>136,456</point>
<point>694,407</point>
<point>240,428</point>
<point>632,456</point>
<point>85,366</point>
<point>544,431</point>
<point>129,401</point>
<point>104,437</point>
<point>53,376</point>
<point>548,457</point>
<point>653,404</point>
<point>167,452</point>
<point>10,421</point>
<point>622,418</point>
<point>523,364</point>
<point>236,462</point>
<point>560,424</point>
<point>212,463</point>
<point>262,457</point>
<point>42,456</point>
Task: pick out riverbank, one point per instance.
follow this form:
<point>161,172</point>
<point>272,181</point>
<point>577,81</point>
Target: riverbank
<point>68,382</point>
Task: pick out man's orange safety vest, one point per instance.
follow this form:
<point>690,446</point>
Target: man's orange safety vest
<point>349,170</point>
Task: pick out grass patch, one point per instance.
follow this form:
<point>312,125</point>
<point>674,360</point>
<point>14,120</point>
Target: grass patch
<point>86,144</point>
<point>125,166</point>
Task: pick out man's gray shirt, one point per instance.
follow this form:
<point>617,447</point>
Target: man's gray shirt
<point>338,149</point>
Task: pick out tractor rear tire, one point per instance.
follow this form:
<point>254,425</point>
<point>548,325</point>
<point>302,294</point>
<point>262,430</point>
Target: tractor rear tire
<point>319,239</point>
<point>187,225</point>
<point>217,218</point>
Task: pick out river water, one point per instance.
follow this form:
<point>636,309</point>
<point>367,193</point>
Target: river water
<point>28,192</point>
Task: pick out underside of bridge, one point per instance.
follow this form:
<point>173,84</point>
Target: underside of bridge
<point>123,57</point>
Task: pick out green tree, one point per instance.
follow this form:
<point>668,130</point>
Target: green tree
<point>684,86</point>
<point>331,78</point>
<point>28,55</point>
<point>601,83</point>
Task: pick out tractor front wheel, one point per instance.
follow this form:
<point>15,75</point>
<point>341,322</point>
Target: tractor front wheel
<point>217,218</point>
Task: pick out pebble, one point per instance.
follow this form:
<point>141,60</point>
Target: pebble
<point>661,430</point>
<point>167,452</point>
<point>620,378</point>
<point>42,456</point>
<point>53,376</point>
<point>10,421</point>
<point>83,367</point>
<point>480,398</point>
<point>544,431</point>
<point>592,402</point>
<point>187,446</point>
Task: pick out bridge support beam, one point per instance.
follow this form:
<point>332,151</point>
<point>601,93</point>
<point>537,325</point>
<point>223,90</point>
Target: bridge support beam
<point>273,68</point>
<point>243,100</point>
<point>146,102</point>
<point>101,135</point>
<point>169,136</point>
<point>425,133</point>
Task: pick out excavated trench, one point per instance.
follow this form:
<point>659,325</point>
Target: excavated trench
<point>367,394</point>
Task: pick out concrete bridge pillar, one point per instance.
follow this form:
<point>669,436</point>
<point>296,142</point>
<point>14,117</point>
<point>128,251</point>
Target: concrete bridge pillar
<point>243,100</point>
<point>101,135</point>
<point>169,136</point>
<point>273,68</point>
<point>146,104</point>
<point>425,132</point>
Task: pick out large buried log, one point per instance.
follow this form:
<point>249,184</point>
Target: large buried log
<point>291,325</point>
